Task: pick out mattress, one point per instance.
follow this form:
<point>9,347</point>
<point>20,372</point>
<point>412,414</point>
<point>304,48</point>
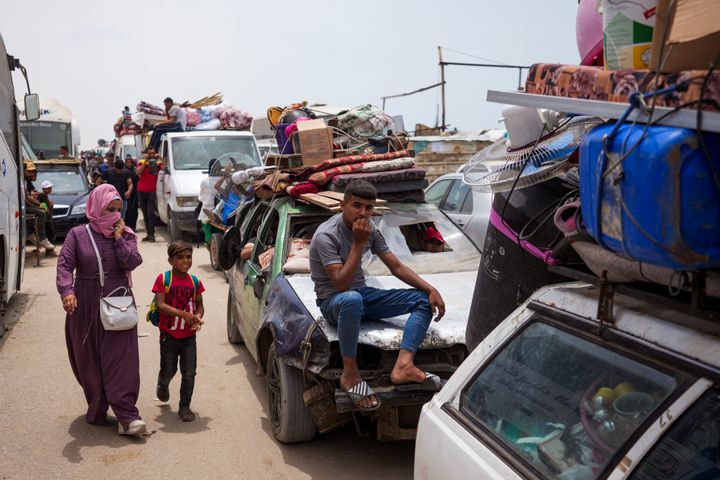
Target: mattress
<point>594,83</point>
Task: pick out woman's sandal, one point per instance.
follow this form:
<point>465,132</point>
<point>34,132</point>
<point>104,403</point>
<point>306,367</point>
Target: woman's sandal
<point>360,392</point>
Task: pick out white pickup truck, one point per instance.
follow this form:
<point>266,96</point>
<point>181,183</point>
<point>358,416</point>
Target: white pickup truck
<point>186,156</point>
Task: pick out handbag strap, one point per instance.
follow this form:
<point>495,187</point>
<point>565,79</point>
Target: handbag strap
<point>97,254</point>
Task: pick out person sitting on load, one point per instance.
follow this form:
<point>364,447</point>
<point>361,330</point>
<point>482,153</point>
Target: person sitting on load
<point>345,300</point>
<point>175,122</point>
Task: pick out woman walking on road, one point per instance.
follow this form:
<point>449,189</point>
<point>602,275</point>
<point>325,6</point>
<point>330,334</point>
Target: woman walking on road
<point>106,363</point>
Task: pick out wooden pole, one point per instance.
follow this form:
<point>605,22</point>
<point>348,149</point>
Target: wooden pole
<point>442,89</point>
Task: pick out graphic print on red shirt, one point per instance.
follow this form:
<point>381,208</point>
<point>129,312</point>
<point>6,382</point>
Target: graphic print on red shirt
<point>180,296</point>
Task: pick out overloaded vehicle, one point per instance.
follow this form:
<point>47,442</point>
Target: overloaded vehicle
<point>186,157</point>
<point>70,191</point>
<point>272,310</point>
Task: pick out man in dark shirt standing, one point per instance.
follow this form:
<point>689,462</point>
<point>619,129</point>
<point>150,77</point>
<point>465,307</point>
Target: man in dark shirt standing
<point>121,179</point>
<point>345,299</point>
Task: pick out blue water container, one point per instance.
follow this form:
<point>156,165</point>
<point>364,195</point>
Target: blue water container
<point>661,204</point>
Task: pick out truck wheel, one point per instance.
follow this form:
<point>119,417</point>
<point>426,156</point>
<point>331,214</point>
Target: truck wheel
<point>233,334</point>
<point>173,230</point>
<point>291,421</point>
<point>215,239</point>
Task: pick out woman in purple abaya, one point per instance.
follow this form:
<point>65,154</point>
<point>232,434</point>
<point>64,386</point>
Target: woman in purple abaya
<point>106,363</point>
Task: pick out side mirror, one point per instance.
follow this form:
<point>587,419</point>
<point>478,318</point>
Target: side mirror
<point>229,248</point>
<point>260,282</point>
<point>32,106</point>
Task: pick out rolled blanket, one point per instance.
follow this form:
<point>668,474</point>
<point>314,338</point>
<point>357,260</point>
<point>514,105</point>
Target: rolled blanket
<point>300,188</point>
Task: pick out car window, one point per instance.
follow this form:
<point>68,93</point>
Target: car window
<point>467,205</point>
<point>250,225</point>
<point>561,403</point>
<point>264,249</point>
<point>691,448</point>
<point>455,197</point>
<point>436,192</point>
<point>458,255</point>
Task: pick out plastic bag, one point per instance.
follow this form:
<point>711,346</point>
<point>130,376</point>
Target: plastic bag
<point>192,117</point>
<point>213,124</point>
<point>365,121</point>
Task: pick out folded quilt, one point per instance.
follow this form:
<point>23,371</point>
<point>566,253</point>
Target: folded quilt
<point>303,173</point>
<point>386,187</point>
<point>413,196</point>
<point>324,177</point>
<point>376,178</point>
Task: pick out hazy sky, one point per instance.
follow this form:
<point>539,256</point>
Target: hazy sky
<point>97,56</point>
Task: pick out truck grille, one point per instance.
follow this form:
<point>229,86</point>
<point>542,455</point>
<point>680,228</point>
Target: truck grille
<point>60,210</point>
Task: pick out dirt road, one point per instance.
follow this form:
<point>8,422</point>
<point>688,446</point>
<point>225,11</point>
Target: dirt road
<point>43,433</point>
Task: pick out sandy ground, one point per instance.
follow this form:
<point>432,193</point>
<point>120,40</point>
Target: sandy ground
<point>43,433</point>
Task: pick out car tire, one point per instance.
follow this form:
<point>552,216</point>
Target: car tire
<point>290,419</point>
<point>174,232</point>
<point>214,246</point>
<point>233,334</point>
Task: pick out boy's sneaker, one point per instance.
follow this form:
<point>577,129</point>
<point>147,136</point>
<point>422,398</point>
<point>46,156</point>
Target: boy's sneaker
<point>163,393</point>
<point>45,243</point>
<point>186,415</point>
<point>148,239</point>
<point>136,427</point>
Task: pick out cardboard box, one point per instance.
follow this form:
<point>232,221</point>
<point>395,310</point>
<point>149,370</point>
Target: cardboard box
<point>693,40</point>
<point>315,140</point>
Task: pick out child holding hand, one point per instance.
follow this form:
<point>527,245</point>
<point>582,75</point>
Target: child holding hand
<point>181,317</point>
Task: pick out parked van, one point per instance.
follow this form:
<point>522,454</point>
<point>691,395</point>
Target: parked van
<point>129,144</point>
<point>186,156</point>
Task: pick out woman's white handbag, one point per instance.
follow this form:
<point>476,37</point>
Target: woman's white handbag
<point>116,312</point>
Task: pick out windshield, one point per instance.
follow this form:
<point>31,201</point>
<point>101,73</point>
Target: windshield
<point>46,137</point>
<point>405,230</point>
<point>194,153</point>
<point>64,181</point>
<point>131,150</point>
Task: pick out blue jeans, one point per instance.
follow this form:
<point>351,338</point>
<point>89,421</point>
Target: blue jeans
<point>348,309</point>
<point>160,131</point>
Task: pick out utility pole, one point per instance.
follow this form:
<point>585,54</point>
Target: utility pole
<point>442,88</point>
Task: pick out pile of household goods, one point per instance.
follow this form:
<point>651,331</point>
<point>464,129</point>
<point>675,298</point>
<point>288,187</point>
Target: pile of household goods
<point>632,200</point>
<point>207,113</point>
<point>322,152</point>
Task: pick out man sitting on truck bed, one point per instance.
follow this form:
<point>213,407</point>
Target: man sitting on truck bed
<point>175,123</point>
<point>345,300</point>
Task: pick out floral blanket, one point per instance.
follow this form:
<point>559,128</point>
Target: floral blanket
<point>324,177</point>
<point>594,83</point>
<point>302,173</point>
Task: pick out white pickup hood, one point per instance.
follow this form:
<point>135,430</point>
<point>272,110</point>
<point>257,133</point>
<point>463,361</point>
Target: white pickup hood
<point>456,289</point>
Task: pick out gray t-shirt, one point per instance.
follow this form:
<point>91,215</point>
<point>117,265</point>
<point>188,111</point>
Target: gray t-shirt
<point>331,245</point>
<point>179,115</point>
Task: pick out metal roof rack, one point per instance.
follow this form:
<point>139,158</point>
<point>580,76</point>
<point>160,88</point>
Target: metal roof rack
<point>684,118</point>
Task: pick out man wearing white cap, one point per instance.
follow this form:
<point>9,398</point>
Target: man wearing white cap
<point>32,205</point>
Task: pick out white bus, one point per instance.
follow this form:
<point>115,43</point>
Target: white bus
<point>55,127</point>
<point>12,201</point>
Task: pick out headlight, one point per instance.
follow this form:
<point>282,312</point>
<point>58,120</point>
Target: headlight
<point>187,201</point>
<point>78,210</point>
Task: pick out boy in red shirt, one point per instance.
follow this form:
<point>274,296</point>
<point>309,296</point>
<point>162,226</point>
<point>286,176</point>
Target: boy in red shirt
<point>181,311</point>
